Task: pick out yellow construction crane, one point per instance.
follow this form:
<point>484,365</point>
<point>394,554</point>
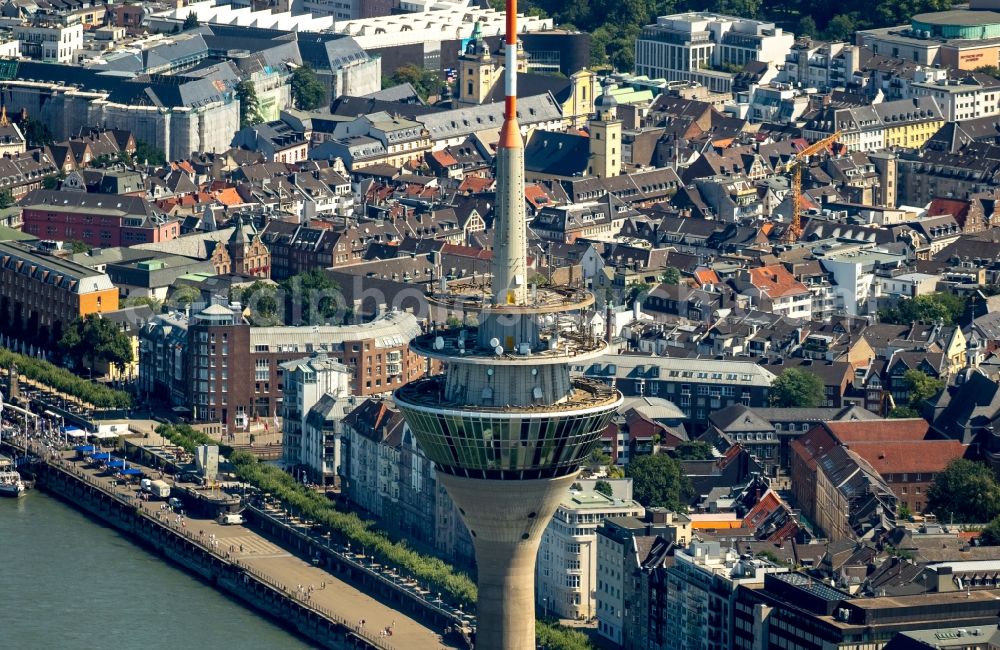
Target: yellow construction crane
<point>795,166</point>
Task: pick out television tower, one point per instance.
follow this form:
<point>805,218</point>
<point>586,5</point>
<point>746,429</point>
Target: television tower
<point>506,425</point>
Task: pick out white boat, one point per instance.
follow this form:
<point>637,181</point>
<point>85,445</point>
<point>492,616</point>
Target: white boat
<point>11,484</point>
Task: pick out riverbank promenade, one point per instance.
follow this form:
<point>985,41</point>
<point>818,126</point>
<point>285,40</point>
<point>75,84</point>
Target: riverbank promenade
<point>379,625</point>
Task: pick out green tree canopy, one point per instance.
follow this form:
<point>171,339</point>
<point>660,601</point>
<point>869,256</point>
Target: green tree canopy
<point>427,83</point>
<point>249,104</point>
<point>922,387</point>
<point>797,388</point>
<point>965,491</point>
<point>636,291</point>
<point>37,133</point>
<point>190,22</point>
<point>96,339</point>
<point>658,482</point>
<point>184,295</point>
<point>604,488</point>
<point>148,154</point>
<point>312,298</point>
<point>693,450</point>
<point>262,300</point>
<point>990,535</point>
<point>903,412</point>
<point>929,308</point>
<point>307,91</point>
<point>671,276</point>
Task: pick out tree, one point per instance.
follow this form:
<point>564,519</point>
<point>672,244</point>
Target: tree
<point>840,28</point>
<point>658,482</point>
<point>77,246</point>
<point>693,450</point>
<point>807,27</point>
<point>96,339</point>
<point>190,22</point>
<point>597,459</point>
<point>148,154</point>
<point>671,276</point>
<point>903,511</point>
<point>921,387</point>
<point>635,292</point>
<point>604,488</point>
<point>991,70</point>
<point>6,199</point>
<point>184,295</point>
<point>990,535</point>
<point>966,491</point>
<point>262,301</point>
<point>249,104</point>
<point>902,413</point>
<point>929,308</point>
<point>37,133</point>
<point>138,301</point>
<point>797,388</point>
<point>307,91</point>
<point>427,83</point>
<point>615,471</point>
<point>312,298</point>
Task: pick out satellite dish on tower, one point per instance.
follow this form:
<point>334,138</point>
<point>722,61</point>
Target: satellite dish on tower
<point>494,342</point>
<point>438,343</point>
<point>498,350</point>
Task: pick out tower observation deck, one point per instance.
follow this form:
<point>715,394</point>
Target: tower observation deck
<point>505,424</point>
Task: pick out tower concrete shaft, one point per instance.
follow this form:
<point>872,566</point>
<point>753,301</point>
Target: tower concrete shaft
<point>506,519</point>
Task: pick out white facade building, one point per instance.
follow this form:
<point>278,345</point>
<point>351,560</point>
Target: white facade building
<point>566,571</point>
<point>707,47</point>
<point>853,271</point>
<point>50,42</point>
<point>307,381</point>
<point>702,589</point>
<point>959,99</point>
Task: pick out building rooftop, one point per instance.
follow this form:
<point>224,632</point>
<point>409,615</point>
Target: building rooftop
<point>47,269</point>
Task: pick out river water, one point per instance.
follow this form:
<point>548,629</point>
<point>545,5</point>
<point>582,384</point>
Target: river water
<point>69,582</point>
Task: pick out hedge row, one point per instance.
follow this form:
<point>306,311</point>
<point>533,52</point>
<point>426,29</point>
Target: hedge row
<point>64,381</point>
<point>439,576</point>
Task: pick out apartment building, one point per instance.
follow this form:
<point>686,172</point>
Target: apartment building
<point>312,388</point>
<point>41,294</point>
<point>702,593</point>
<point>698,386</point>
<point>99,220</point>
<point>566,571</point>
<point>707,48</point>
<point>623,544</point>
<point>52,42</point>
<point>231,370</point>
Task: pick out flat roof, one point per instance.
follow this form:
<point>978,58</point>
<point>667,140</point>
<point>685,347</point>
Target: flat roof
<point>963,17</point>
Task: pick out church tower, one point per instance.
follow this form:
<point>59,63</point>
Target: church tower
<point>476,72</point>
<point>605,138</point>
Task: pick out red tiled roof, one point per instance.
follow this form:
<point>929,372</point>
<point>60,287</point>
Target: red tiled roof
<point>954,207</point>
<point>924,456</point>
<point>776,281</point>
<point>475,184</point>
<point>467,251</point>
<point>536,195</point>
<point>229,197</point>
<point>706,276</point>
<point>444,158</point>
<point>908,430</point>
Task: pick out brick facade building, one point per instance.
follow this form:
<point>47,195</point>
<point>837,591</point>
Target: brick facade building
<point>100,220</point>
<point>230,368</point>
<point>40,294</point>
